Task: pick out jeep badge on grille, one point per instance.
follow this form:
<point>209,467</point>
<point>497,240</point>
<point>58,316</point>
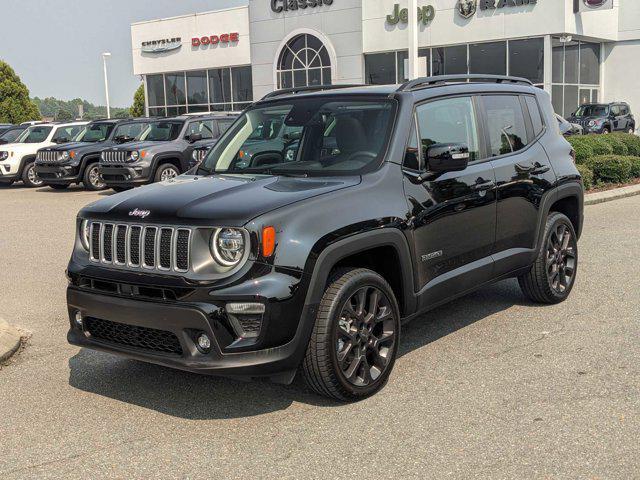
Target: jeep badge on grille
<point>139,213</point>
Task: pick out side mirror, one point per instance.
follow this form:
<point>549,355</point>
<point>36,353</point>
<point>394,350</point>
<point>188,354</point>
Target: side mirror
<point>447,157</point>
<point>194,137</point>
<point>292,136</point>
<point>62,140</point>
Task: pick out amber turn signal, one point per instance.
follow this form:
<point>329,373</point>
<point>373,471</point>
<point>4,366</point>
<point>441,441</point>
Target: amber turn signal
<point>268,241</point>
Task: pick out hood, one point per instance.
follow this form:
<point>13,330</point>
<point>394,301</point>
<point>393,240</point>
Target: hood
<point>585,119</point>
<point>223,200</point>
<point>128,147</point>
<point>23,147</point>
<point>65,147</point>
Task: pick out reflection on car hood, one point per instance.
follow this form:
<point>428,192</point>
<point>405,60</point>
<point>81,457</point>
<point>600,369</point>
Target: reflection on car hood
<point>224,200</point>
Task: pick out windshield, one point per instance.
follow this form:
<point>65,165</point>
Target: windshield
<point>11,135</point>
<point>322,136</point>
<point>161,132</point>
<point>34,135</point>
<point>97,132</point>
<point>592,111</point>
<point>129,131</point>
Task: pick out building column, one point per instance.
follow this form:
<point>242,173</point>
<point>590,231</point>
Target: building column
<point>146,96</point>
<point>603,56</point>
<point>548,63</point>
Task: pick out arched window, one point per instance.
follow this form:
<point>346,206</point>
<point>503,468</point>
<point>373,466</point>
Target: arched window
<point>304,61</point>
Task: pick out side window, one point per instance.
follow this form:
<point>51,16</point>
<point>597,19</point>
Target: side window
<point>624,110</point>
<point>204,128</point>
<point>615,110</point>
<point>224,125</point>
<point>536,117</point>
<point>65,133</point>
<point>505,124</point>
<point>451,120</point>
<point>412,155</point>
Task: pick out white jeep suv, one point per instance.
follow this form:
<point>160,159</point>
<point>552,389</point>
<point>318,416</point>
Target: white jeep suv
<point>17,159</point>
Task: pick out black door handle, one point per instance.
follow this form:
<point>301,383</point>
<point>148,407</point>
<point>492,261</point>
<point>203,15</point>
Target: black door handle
<point>483,185</point>
<point>534,169</point>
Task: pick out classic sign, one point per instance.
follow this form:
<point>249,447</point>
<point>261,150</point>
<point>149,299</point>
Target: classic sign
<point>279,6</point>
<point>468,8</point>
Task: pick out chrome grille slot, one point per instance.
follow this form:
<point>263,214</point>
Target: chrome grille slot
<point>136,246</point>
<point>95,241</point>
<point>121,244</point>
<point>149,247</point>
<point>183,240</point>
<point>164,258</point>
<point>107,243</point>
<point>48,156</point>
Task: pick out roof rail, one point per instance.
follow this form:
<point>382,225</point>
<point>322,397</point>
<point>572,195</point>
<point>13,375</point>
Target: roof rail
<point>318,88</point>
<point>425,82</point>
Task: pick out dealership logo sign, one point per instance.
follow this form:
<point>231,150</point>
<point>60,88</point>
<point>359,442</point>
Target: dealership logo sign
<point>215,39</point>
<point>468,8</point>
<point>279,6</point>
<point>164,45</point>
<point>595,3</point>
<point>425,15</point>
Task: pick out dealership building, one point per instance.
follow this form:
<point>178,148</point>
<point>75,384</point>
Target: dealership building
<point>578,50</point>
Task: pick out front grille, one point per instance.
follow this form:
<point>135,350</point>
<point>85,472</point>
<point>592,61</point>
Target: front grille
<point>135,246</point>
<point>48,156</point>
<point>116,156</point>
<point>143,338</point>
<point>200,154</point>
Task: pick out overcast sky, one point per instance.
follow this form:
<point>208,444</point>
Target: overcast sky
<point>55,45</point>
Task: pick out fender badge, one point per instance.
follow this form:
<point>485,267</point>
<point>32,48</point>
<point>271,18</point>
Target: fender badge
<point>139,213</point>
<point>431,256</point>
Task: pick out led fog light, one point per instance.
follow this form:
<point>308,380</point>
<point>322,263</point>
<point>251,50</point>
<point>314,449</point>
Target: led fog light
<point>204,343</point>
<point>246,318</point>
<point>78,319</point>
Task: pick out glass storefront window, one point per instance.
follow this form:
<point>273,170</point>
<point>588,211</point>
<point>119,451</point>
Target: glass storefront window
<point>590,63</point>
<point>526,59</point>
<point>424,55</point>
<point>488,58</point>
<point>380,68</point>
<point>557,58</point>
<point>197,88</point>
<point>155,90</point>
<point>219,89</point>
<point>304,61</point>
<point>175,89</point>
<point>571,62</point>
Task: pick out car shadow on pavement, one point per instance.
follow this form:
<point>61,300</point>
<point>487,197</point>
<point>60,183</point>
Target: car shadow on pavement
<point>195,397</point>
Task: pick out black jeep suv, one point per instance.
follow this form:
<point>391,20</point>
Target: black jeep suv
<point>162,151</point>
<point>604,118</point>
<point>77,162</point>
<point>398,199</point>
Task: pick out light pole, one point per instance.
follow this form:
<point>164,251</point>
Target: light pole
<point>413,41</point>
<point>106,55</point>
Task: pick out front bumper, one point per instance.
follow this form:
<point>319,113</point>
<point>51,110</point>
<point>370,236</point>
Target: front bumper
<point>58,174</point>
<point>9,171</point>
<point>124,175</point>
<point>182,322</point>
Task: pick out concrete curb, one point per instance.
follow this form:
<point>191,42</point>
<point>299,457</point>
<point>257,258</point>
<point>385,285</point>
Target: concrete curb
<point>609,195</point>
<point>10,341</point>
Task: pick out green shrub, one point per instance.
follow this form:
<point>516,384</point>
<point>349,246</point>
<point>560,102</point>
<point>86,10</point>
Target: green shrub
<point>635,167</point>
<point>631,141</point>
<point>611,168</point>
<point>601,145</point>
<point>587,176</point>
<point>583,148</point>
<point>617,145</point>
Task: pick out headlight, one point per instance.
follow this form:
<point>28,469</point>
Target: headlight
<point>592,123</point>
<point>195,155</point>
<point>4,155</point>
<point>228,246</point>
<point>135,155</point>
<point>64,156</point>
<point>85,228</point>
<point>290,156</point>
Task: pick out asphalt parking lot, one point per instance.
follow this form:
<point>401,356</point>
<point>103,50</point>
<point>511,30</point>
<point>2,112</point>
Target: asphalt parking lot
<point>489,386</point>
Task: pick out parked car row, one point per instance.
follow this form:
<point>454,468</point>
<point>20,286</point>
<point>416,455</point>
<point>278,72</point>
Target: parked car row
<point>118,154</point>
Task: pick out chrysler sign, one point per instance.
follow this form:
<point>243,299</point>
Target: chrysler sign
<point>163,45</point>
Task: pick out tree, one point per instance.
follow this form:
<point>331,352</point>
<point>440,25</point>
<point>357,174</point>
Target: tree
<point>64,115</point>
<point>15,104</point>
<point>137,109</point>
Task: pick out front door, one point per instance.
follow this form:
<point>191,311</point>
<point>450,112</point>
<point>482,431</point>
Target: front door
<point>452,217</point>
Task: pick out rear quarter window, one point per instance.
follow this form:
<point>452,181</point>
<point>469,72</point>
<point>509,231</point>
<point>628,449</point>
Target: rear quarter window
<point>536,116</point>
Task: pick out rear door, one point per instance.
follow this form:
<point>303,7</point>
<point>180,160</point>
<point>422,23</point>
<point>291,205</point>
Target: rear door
<point>616,118</point>
<point>452,216</point>
<point>513,126</point>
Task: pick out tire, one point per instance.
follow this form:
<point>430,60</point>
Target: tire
<point>323,370</point>
<point>606,131</point>
<point>29,177</point>
<point>58,186</point>
<point>91,178</point>
<point>539,283</point>
<point>631,130</point>
<point>167,170</point>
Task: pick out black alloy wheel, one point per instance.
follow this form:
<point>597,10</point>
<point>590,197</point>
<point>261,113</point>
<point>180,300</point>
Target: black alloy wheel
<point>355,338</point>
<point>365,337</point>
<point>561,259</point>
